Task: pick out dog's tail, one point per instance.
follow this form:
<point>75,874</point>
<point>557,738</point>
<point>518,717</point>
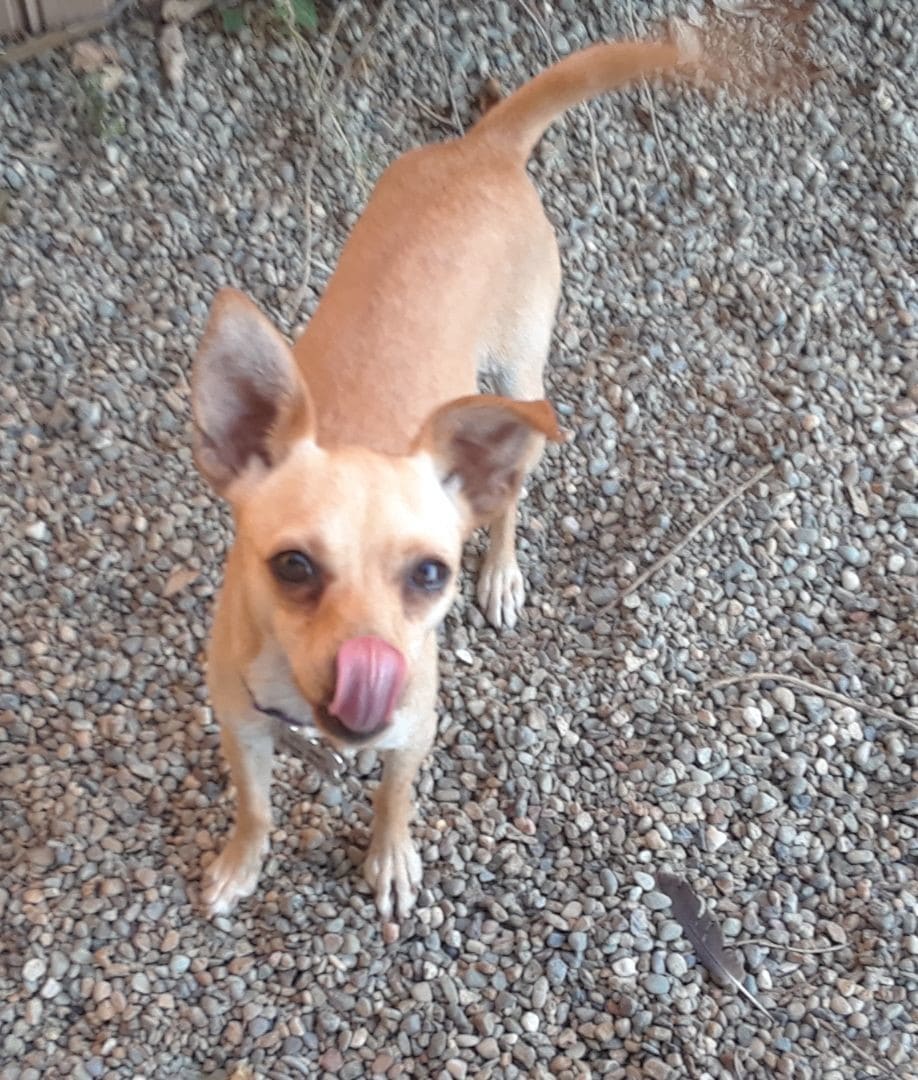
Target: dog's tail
<point>517,122</point>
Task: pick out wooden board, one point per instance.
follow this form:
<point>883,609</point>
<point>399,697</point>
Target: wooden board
<point>37,16</point>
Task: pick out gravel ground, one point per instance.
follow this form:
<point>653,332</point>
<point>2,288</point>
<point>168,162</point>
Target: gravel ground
<point>740,295</point>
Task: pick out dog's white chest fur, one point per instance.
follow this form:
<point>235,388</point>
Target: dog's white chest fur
<point>271,683</point>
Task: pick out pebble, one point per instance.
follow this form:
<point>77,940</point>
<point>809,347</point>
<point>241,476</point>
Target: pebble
<point>556,970</point>
<point>530,1022</point>
<point>676,965</point>
<point>714,838</point>
<point>657,1070</point>
<point>784,699</point>
<point>34,969</point>
<point>763,802</point>
<point>860,857</point>
<point>488,1049</point>
<point>853,555</point>
<point>656,984</point>
<point>850,580</point>
<point>657,901</point>
<point>179,964</point>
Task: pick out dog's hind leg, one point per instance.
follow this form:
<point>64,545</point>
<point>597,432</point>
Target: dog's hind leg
<point>517,363</point>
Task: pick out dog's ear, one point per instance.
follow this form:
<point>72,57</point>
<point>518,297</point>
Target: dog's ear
<point>249,399</point>
<point>482,445</point>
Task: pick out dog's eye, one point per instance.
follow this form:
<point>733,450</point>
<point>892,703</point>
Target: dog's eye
<point>430,575</point>
<point>294,568</point>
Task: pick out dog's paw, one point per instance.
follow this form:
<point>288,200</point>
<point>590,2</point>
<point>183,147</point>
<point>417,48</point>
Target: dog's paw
<point>233,874</point>
<point>501,592</point>
<point>393,870</point>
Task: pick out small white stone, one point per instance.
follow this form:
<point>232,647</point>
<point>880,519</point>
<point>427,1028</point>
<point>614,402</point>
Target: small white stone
<point>714,838</point>
<point>784,698</point>
<point>850,579</point>
<point>764,802</point>
<point>34,969</point>
<point>752,717</point>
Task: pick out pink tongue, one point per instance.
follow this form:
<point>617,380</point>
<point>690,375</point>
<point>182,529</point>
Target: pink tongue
<point>369,682</point>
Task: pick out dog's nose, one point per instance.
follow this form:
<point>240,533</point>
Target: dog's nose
<point>369,680</point>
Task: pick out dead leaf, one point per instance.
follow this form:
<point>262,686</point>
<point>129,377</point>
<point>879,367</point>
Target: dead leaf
<point>858,501</point>
<point>182,11</point>
<point>180,578</point>
<point>46,149</point>
<point>243,1071</point>
<point>172,55</point>
<point>110,77</point>
<point>906,801</point>
<point>489,94</point>
<point>684,33</point>
<point>758,47</point>
<point>89,57</point>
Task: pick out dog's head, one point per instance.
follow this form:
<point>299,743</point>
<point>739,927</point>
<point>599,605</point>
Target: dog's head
<point>348,557</point>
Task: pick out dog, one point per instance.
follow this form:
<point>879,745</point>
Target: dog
<point>358,462</point>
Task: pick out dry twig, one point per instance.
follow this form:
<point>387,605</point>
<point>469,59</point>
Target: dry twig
<point>814,688</point>
<point>442,121</point>
<point>183,11</point>
<point>871,1059</point>
<point>648,97</point>
<point>791,948</point>
<point>689,536</point>
<point>320,122</point>
<point>445,67</point>
<point>594,142</point>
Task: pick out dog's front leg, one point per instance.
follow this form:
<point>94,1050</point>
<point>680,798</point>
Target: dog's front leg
<point>248,744</point>
<point>393,866</point>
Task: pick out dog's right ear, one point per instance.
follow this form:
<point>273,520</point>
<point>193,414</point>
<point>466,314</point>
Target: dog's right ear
<point>249,400</point>
<point>481,446</point>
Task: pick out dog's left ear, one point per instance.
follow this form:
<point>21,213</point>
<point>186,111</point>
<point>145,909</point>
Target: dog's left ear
<point>482,445</point>
<point>250,401</point>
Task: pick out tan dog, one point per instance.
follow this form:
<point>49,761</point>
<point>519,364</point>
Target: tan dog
<point>358,463</point>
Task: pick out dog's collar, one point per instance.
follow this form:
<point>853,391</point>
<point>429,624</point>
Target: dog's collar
<point>313,749</point>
